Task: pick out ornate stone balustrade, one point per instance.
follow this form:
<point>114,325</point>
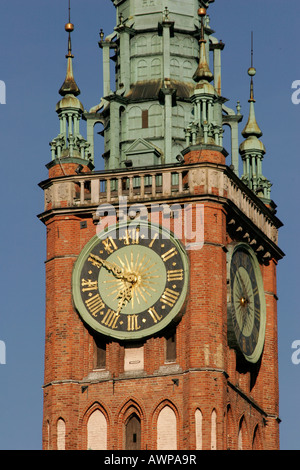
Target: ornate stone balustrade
<point>189,183</point>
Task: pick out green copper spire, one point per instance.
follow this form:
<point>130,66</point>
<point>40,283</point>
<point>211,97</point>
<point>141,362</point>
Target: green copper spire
<point>252,150</point>
<point>69,85</point>
<point>70,143</point>
<point>252,128</point>
<point>203,71</point>
<point>165,94</point>
<point>206,128</point>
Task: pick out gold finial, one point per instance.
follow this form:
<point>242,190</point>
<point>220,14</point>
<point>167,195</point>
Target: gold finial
<point>69,28</point>
<point>203,71</point>
<point>202,12</point>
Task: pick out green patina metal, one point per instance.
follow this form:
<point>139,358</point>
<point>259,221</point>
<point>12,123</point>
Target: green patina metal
<point>70,144</point>
<point>159,94</point>
<point>252,151</point>
<point>167,97</point>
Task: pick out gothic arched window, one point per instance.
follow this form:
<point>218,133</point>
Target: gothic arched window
<point>167,429</point>
<point>61,434</point>
<point>133,433</point>
<point>97,431</point>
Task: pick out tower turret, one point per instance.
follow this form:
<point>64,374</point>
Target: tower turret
<point>156,51</point>
<point>252,150</point>
<point>70,147</point>
<point>161,315</point>
<point>206,126</point>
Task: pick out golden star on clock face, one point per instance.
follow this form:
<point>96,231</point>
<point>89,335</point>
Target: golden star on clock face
<point>128,285</point>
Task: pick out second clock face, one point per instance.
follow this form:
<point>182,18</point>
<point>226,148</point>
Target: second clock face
<point>131,281</point>
<point>247,315</point>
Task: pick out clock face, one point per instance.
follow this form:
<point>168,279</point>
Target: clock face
<point>247,308</point>
<point>130,281</point>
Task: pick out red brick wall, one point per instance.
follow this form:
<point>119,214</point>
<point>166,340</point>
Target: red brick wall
<point>208,378</point>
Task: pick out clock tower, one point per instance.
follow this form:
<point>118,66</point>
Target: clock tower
<point>161,319</point>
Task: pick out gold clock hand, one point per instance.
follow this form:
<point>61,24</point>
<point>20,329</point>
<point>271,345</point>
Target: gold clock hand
<point>243,291</point>
<point>125,296</point>
<point>114,268</point>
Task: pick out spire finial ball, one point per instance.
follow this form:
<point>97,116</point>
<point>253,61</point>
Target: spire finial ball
<point>251,71</point>
<point>202,12</point>
<point>69,27</point>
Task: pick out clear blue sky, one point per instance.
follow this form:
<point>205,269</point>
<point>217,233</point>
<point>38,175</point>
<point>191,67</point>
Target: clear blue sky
<point>33,45</point>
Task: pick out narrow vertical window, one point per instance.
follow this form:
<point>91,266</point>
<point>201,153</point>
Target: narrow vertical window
<point>214,430</point>
<point>171,347</point>
<point>133,433</point>
<point>256,440</point>
<point>198,425</point>
<point>97,431</point>
<point>48,435</point>
<point>145,120</point>
<point>99,353</point>
<point>61,434</point>
<point>240,435</point>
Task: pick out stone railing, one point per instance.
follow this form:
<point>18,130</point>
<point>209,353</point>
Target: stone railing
<point>109,187</point>
<point>142,185</point>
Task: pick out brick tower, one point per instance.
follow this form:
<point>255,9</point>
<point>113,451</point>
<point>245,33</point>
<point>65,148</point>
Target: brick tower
<point>161,320</point>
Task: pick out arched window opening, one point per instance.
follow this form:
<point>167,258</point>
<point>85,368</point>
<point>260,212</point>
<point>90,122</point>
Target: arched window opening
<point>135,118</point>
<point>156,68</point>
<point>142,68</point>
<point>240,435</point>
<point>133,433</point>
<point>97,431</point>
<point>167,429</point>
<point>198,425</point>
<point>175,69</point>
<point>61,434</point>
<point>256,444</point>
<point>214,430</point>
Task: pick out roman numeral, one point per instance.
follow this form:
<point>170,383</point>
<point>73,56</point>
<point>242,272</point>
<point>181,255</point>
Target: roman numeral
<point>95,304</point>
<point>153,240</point>
<point>95,260</point>
<point>88,285</point>
<point>175,275</point>
<point>154,315</point>
<point>169,254</point>
<point>110,319</point>
<point>132,236</point>
<point>109,245</point>
<point>132,323</point>
<point>169,297</point>
<point>257,313</point>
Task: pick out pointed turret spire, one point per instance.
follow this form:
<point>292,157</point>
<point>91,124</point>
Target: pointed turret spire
<point>70,143</point>
<point>206,128</point>
<point>203,71</point>
<point>252,150</point>
<point>69,86</point>
<point>252,127</point>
